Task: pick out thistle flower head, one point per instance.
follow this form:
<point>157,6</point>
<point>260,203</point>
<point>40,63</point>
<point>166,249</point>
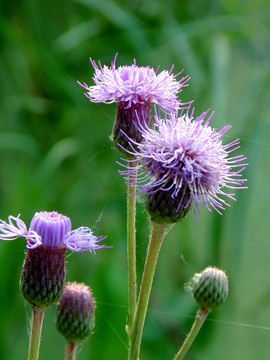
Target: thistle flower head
<point>76,312</point>
<point>186,160</point>
<point>48,237</point>
<point>132,84</point>
<point>134,88</point>
<point>50,230</point>
<point>209,288</point>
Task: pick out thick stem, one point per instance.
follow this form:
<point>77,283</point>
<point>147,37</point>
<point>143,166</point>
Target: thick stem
<point>131,250</point>
<point>199,320</point>
<point>37,319</point>
<point>145,290</point>
<point>71,350</point>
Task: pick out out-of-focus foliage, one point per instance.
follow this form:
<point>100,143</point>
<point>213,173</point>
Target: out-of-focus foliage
<point>55,154</point>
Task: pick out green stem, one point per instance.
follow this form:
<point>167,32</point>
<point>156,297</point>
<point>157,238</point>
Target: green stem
<point>131,250</point>
<point>37,319</point>
<point>146,285</point>
<point>199,320</point>
<point>71,349</point>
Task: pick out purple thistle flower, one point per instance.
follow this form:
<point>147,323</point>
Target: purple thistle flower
<point>182,159</point>
<point>132,84</point>
<point>51,230</point>
<point>48,237</point>
<point>134,88</point>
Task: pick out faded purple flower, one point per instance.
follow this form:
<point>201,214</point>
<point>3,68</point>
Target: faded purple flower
<point>51,230</point>
<point>185,159</point>
<point>132,84</point>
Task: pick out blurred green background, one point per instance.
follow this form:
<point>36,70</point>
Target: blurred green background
<point>55,154</point>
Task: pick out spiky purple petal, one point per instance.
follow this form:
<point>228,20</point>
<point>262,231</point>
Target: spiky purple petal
<point>82,239</point>
<point>10,231</point>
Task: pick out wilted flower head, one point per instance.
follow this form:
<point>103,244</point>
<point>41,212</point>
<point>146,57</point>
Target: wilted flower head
<point>182,159</point>
<point>134,88</point>
<point>76,312</point>
<point>51,230</point>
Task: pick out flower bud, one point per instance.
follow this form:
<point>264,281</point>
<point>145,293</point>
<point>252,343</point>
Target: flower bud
<point>210,287</point>
<point>76,312</point>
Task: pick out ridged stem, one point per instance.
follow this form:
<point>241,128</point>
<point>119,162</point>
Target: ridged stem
<point>71,350</point>
<point>199,320</point>
<point>145,290</point>
<point>131,250</point>
<point>36,327</point>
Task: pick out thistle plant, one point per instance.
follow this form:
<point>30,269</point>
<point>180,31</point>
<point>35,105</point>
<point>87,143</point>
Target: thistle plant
<point>210,290</point>
<point>177,161</point>
<point>75,318</point>
<point>133,88</point>
<point>181,161</point>
<point>43,273</point>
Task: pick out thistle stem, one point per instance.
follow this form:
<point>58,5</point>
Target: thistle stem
<point>145,290</point>
<point>36,327</point>
<point>71,350</point>
<point>131,250</point>
<point>199,320</point>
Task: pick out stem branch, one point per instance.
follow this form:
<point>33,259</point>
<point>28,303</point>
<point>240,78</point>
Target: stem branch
<point>71,349</point>
<point>146,285</point>
<point>37,319</point>
<point>131,250</point>
<point>199,320</point>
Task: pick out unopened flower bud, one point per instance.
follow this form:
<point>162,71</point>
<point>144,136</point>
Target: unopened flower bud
<point>210,287</point>
<point>76,312</point>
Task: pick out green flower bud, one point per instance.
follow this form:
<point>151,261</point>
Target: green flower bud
<point>210,287</point>
<point>76,312</point>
